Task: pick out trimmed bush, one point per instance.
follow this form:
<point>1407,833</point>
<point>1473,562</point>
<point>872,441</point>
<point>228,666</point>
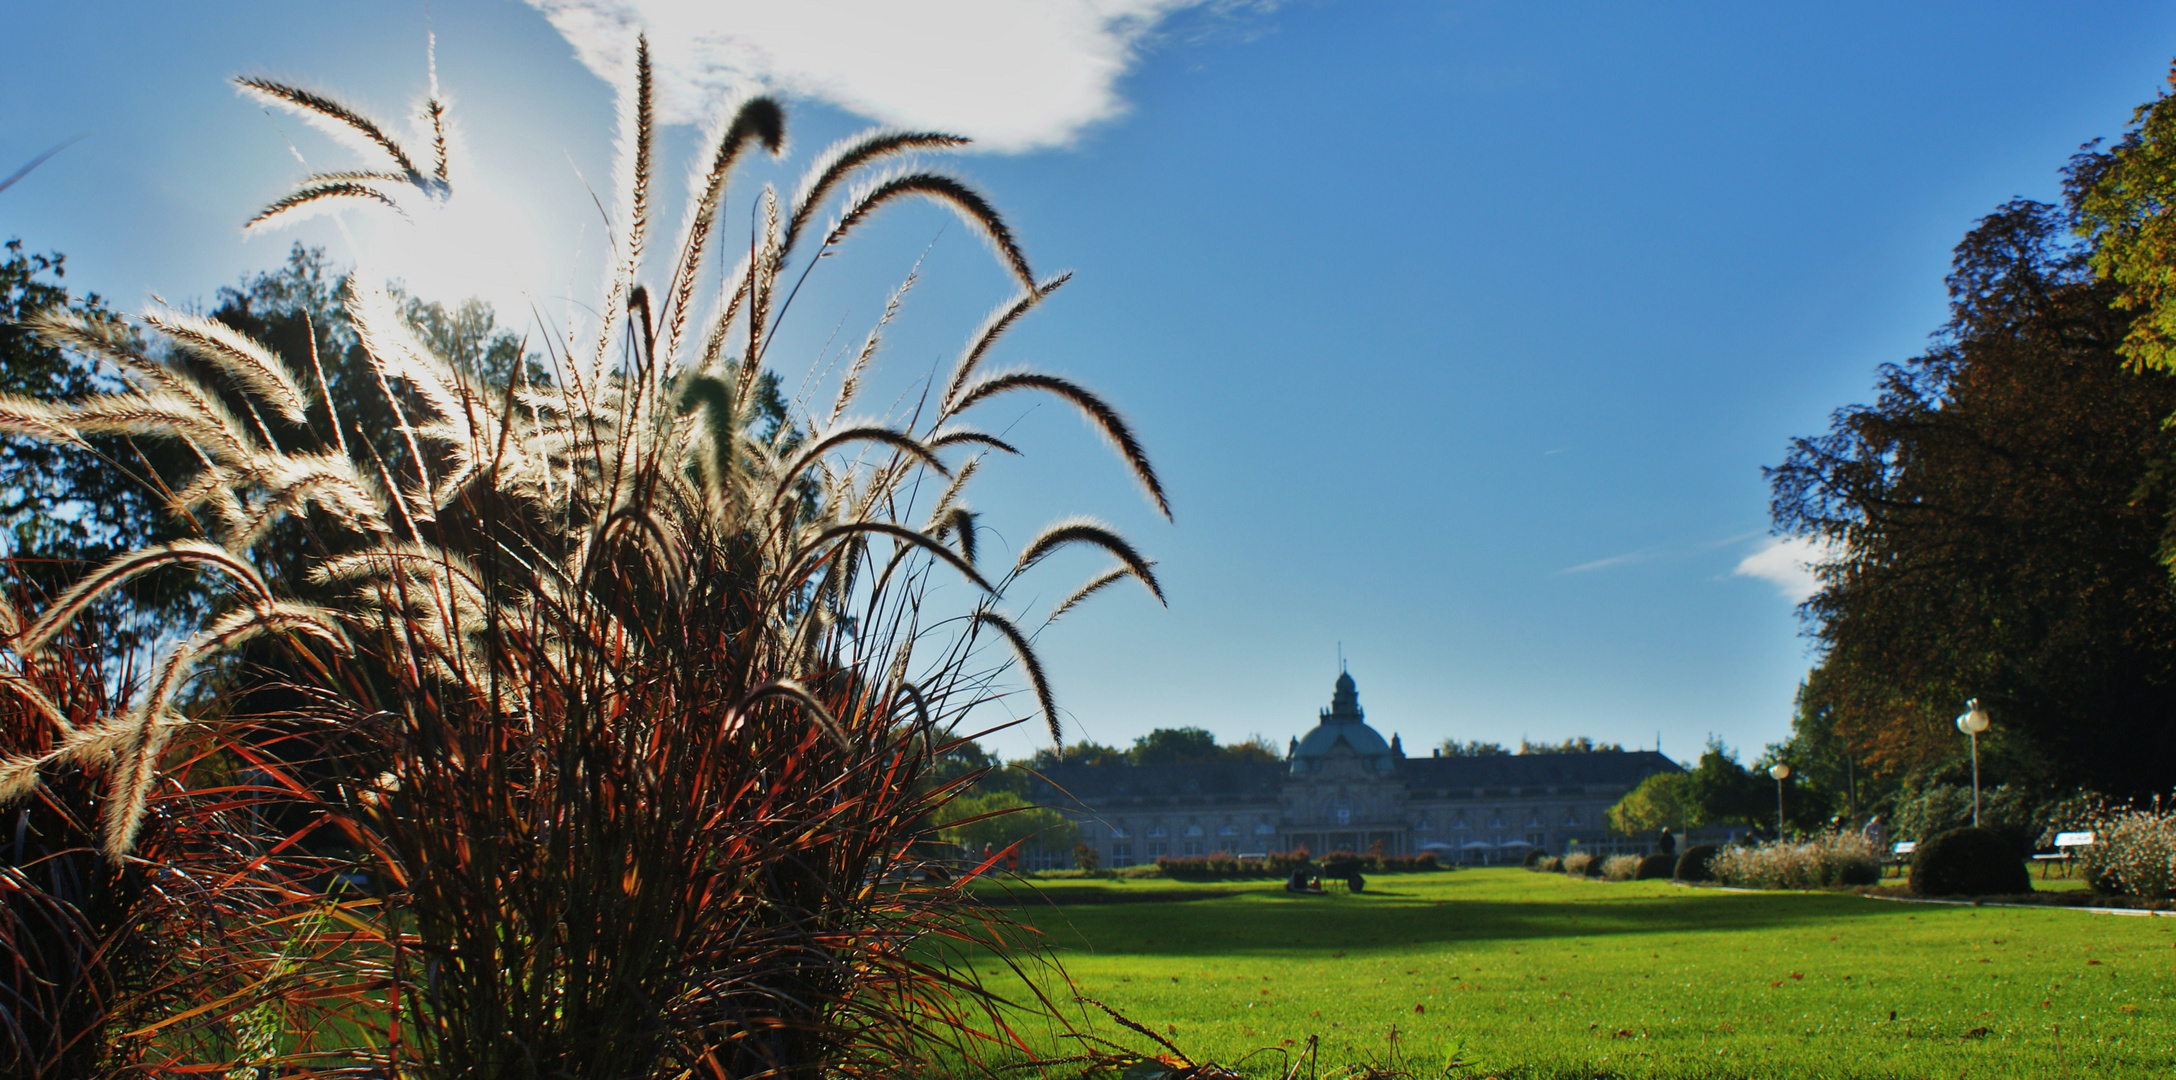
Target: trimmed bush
<point>1654,868</point>
<point>1693,864</point>
<point>1576,864</point>
<point>1535,858</point>
<point>1552,865</point>
<point>1620,867</point>
<point>1969,862</point>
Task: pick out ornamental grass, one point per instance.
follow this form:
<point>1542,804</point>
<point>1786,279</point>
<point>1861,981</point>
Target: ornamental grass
<point>2133,852</point>
<point>1825,861</point>
<point>625,701</point>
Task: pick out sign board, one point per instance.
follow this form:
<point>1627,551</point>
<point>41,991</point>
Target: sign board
<point>2073,839</point>
<point>1905,847</point>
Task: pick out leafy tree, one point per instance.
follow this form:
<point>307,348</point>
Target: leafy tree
<point>997,819</point>
<point>1473,748</point>
<point>1725,793</point>
<point>66,507</point>
<point>1175,746</point>
<point>1256,748</point>
<point>1666,799</point>
<point>2126,205</point>
<point>1085,752</point>
<point>1998,516</point>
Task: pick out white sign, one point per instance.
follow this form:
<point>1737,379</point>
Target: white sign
<point>2073,839</point>
<point>1905,847</point>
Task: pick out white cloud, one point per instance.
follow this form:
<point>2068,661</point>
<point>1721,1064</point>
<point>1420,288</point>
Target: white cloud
<point>1011,74</point>
<point>1787,563</point>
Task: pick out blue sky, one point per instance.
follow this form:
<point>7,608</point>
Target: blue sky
<point>1460,331</point>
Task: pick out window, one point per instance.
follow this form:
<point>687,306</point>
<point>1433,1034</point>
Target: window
<point>1158,830</point>
<point>1120,832</point>
<point>1461,825</point>
<point>1344,815</point>
<point>1193,847</point>
<point>1421,825</point>
<point>1155,848</point>
<point>1122,854</point>
<point>1227,829</point>
<point>1193,830</point>
<point>1533,820</point>
<point>1265,829</point>
<point>1496,820</point>
<point>1571,817</point>
<point>1227,846</point>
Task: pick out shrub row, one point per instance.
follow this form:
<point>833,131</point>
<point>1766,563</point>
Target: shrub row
<point>1612,867</point>
<point>1830,860</point>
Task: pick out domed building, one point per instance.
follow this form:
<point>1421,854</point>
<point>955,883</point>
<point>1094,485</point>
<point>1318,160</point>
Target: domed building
<point>1342,787</point>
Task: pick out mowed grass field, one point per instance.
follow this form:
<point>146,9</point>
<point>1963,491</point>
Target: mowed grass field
<point>1508,973</point>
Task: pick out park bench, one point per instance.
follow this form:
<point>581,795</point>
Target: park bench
<point>1901,851</point>
<point>2066,845</point>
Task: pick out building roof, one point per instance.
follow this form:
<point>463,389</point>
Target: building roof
<point>1102,786</point>
<point>1344,722</point>
<point>1615,768</point>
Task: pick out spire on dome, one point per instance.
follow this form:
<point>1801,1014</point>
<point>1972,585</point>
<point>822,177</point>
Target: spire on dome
<point>1344,701</point>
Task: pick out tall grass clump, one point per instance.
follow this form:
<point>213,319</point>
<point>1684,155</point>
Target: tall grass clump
<point>222,921</point>
<point>642,686</point>
<point>1825,861</point>
<point>1620,867</point>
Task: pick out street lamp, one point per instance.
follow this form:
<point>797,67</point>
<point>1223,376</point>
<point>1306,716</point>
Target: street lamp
<point>1779,771</point>
<point>1972,723</point>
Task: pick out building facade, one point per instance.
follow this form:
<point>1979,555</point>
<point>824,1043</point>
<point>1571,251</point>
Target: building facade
<point>1342,788</point>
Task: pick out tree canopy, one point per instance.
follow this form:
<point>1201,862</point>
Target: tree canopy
<point>1996,521</point>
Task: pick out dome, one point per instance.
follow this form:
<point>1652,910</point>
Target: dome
<point>1342,723</point>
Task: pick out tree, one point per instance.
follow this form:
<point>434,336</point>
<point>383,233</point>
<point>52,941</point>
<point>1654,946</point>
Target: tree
<point>1666,799</point>
<point>1724,793</point>
<point>2126,205</point>
<point>1473,748</point>
<point>998,819</point>
<point>1175,746</point>
<point>1997,518</point>
<point>1085,752</point>
<point>71,505</point>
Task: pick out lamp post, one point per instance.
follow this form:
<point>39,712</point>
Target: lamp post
<point>1972,723</point>
<point>1779,771</point>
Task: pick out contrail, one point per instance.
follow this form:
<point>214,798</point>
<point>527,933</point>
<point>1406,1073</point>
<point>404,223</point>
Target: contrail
<point>40,160</point>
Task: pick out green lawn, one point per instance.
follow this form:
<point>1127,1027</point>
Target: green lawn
<point>1536,975</point>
